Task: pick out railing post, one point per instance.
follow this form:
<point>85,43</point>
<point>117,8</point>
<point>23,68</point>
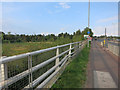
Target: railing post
<point>30,70</point>
<point>3,71</point>
<point>57,59</point>
<point>70,51</point>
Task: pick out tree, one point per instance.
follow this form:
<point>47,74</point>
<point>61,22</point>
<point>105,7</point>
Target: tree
<point>9,33</point>
<point>78,32</point>
<point>84,32</point>
<point>2,35</point>
<point>62,37</point>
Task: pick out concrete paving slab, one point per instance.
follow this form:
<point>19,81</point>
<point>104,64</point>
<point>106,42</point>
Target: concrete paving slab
<point>103,80</point>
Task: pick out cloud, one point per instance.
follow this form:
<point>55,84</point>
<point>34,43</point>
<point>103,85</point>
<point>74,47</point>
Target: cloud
<point>111,30</point>
<point>64,5</point>
<point>108,19</point>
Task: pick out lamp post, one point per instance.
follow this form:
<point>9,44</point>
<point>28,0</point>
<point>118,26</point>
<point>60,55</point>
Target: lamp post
<point>105,39</point>
<point>89,14</point>
<point>88,19</point>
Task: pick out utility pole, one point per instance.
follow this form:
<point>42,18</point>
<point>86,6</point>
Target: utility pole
<point>105,32</point>
<point>89,14</point>
<point>105,38</point>
<point>88,19</point>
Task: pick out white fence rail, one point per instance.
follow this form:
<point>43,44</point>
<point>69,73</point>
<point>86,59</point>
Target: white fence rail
<point>35,69</point>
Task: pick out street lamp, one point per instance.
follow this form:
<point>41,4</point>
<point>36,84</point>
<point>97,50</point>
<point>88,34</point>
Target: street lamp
<point>88,19</point>
<point>89,14</point>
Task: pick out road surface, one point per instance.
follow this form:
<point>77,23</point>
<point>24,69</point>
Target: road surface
<point>107,41</point>
<point>102,68</point>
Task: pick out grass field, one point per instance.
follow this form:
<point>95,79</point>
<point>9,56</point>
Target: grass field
<point>10,49</point>
<point>74,75</point>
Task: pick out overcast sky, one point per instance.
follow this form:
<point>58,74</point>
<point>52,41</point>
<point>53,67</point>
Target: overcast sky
<point>57,17</point>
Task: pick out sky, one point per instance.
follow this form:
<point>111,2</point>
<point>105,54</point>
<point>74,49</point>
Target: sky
<point>57,17</point>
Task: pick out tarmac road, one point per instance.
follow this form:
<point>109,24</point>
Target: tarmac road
<point>107,41</point>
<point>104,62</point>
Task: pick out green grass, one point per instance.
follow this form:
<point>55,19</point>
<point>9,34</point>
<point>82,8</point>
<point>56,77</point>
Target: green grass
<point>10,49</point>
<point>74,76</point>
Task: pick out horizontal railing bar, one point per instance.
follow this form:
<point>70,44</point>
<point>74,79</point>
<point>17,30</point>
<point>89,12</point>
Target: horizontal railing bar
<point>12,58</point>
<point>25,73</point>
<point>73,52</point>
<point>39,79</point>
<point>51,76</point>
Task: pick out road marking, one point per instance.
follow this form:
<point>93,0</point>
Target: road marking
<point>103,80</point>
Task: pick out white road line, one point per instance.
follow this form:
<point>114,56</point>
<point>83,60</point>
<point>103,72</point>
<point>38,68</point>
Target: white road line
<point>103,80</point>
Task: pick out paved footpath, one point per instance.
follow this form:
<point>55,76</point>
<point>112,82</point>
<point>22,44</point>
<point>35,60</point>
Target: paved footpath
<point>103,68</point>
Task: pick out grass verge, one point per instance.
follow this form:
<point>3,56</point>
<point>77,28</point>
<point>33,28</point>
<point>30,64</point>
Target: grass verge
<point>74,76</point>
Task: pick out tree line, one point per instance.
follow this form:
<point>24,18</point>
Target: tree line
<point>16,38</point>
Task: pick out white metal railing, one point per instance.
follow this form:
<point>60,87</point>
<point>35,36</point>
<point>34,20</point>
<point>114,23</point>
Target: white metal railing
<point>42,80</point>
